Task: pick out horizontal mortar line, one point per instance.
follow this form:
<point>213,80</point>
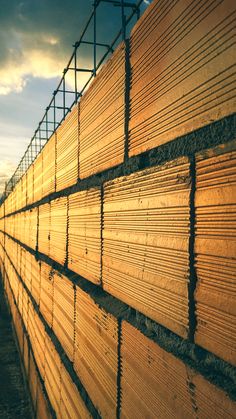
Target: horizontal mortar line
<point>22,365</point>
<point>31,349</point>
<point>59,348</point>
<point>127,313</point>
<point>145,160</point>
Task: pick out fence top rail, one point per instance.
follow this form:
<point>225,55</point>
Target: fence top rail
<point>64,98</point>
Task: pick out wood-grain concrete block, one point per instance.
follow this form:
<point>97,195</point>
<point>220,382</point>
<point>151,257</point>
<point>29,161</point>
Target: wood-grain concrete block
<point>215,251</point>
<point>182,70</point>
<point>146,230</point>
<point>67,143</point>
<point>84,234</point>
<point>96,353</point>
<point>64,312</point>
<point>58,230</point>
<point>102,112</point>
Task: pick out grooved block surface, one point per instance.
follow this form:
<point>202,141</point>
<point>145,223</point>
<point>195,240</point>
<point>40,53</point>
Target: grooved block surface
<point>32,377</point>
<point>49,166</point>
<point>183,70</point>
<point>37,338</point>
<point>154,384</point>
<point>96,359</point>
<point>44,229</point>
<point>28,271</point>
<point>64,312</point>
<point>215,248</point>
<point>71,404</point>
<point>52,375</point>
<point>211,402</point>
<point>84,234</point>
<point>102,114</point>
<point>35,279</point>
<point>30,185</point>
<point>146,242</point>
<point>18,195</point>
<point>26,356</point>
<point>38,178</point>
<point>23,191</point>
<point>30,228</point>
<point>46,293</point>
<point>25,307</point>
<point>58,230</point>
<point>67,143</point>
<point>43,411</point>
<point>10,225</point>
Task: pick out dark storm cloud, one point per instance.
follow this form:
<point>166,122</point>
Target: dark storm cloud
<point>56,17</point>
<point>36,38</point>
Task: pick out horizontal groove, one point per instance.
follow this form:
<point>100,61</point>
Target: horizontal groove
<point>64,358</point>
<point>214,369</point>
<point>214,134</point>
<point>31,350</point>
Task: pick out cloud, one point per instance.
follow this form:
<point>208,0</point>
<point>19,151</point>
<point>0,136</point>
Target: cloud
<point>33,63</point>
<point>6,170</point>
<point>36,39</point>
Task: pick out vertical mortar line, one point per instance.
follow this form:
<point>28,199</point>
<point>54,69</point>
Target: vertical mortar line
<point>127,98</point>
<point>37,232</point>
<point>192,271</point>
<point>67,231</point>
<point>102,227</point>
<point>49,229</point>
<point>192,391</point>
<point>119,369</point>
<point>73,358</point>
<point>52,272</point>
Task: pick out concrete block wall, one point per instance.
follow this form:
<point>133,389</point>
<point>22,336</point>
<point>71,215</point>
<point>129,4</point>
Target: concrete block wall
<point>117,247</point>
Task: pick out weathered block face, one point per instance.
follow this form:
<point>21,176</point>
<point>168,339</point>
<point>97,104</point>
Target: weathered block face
<point>38,178</point>
<point>118,245</point>
<point>146,241</point>
<point>49,166</point>
<point>64,312</point>
<point>215,248</point>
<point>154,382</point>
<point>71,403</point>
<point>44,229</point>
<point>84,234</point>
<point>58,230</point>
<point>46,293</point>
<point>52,374</point>
<point>67,143</point>
<point>102,128</point>
<point>96,353</point>
<point>182,59</point>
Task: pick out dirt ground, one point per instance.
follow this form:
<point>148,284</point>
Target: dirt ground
<point>14,400</point>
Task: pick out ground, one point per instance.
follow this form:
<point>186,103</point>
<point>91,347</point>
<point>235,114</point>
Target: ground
<point>14,398</point>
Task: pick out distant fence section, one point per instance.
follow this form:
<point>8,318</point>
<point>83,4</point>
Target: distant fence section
<point>118,245</point>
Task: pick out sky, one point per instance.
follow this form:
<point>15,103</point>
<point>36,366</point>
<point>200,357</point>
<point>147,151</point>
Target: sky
<point>36,38</point>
